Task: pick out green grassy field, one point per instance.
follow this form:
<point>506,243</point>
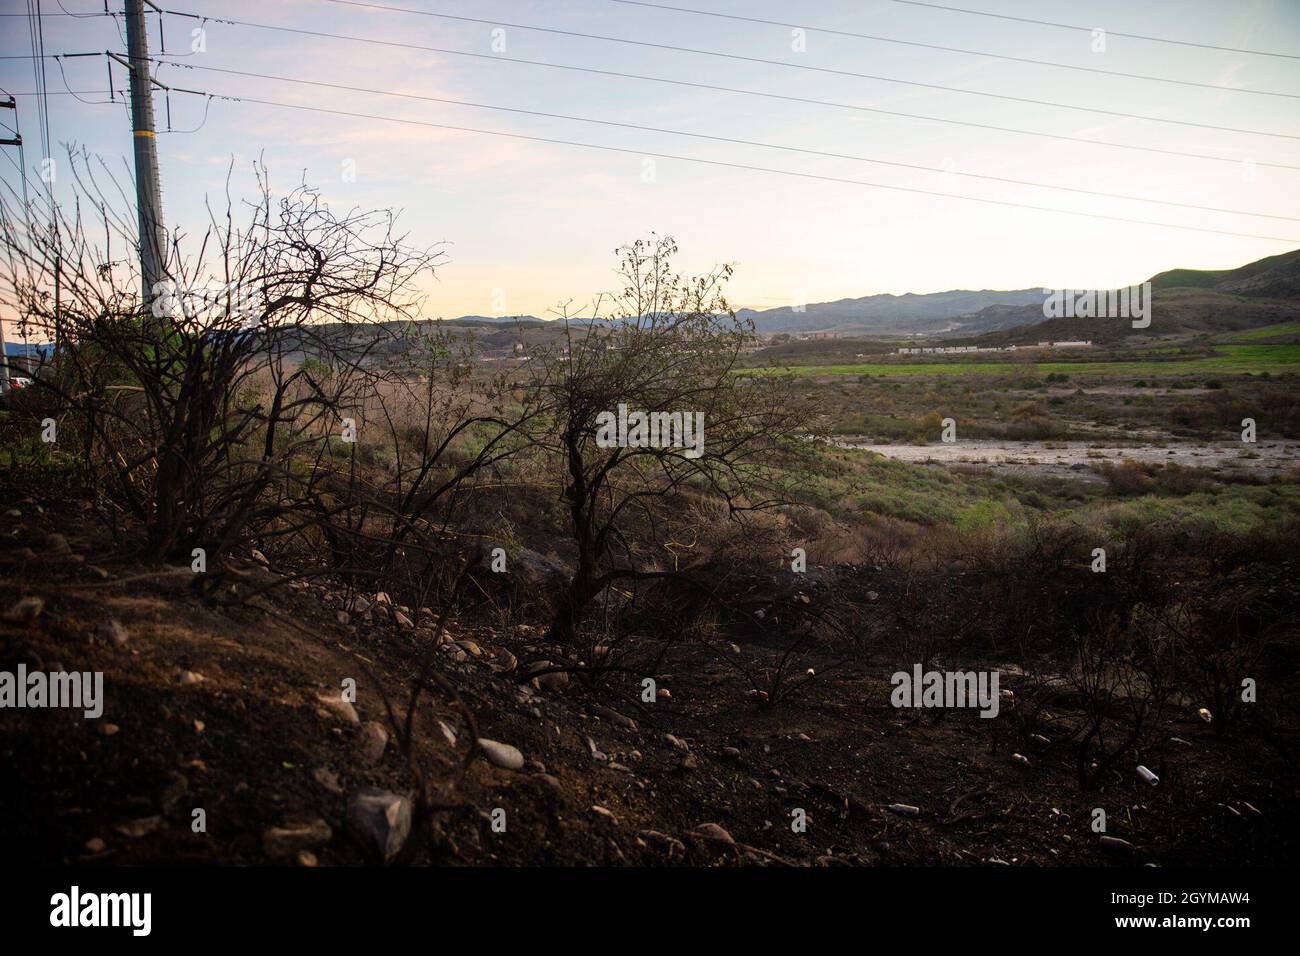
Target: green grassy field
<point>1229,360</point>
<point>1255,335</point>
<point>854,482</point>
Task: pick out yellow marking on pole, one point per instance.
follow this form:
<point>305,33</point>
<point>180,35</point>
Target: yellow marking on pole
<point>143,132</point>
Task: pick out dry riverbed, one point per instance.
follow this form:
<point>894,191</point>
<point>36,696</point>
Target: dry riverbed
<point>1079,458</point>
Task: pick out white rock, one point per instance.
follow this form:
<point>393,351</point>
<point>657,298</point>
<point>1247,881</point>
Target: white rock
<point>336,705</point>
<point>503,755</point>
<point>283,842</point>
<point>374,741</point>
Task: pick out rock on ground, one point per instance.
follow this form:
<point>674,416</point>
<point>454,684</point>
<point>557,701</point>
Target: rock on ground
<point>284,842</point>
<point>503,755</point>
<point>336,705</point>
<point>26,610</point>
<point>374,740</point>
<point>380,820</point>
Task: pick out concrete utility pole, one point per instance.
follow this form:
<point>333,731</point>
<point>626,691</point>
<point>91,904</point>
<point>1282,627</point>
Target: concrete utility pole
<point>15,140</point>
<point>153,235</point>
<point>4,359</point>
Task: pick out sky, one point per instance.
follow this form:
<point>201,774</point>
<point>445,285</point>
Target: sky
<point>529,225</point>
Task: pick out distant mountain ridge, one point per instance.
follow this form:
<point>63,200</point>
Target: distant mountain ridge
<point>1189,299</point>
<point>1275,277</point>
<point>1192,296</point>
<point>1261,293</point>
<point>890,314</point>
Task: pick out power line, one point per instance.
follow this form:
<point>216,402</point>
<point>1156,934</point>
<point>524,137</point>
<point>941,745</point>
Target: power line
<point>714,138</point>
<point>792,66</point>
<point>727,89</point>
<point>58,61</point>
<point>74,93</point>
<point>37,39</point>
<point>1114,33</point>
<point>950,49</point>
<point>741,166</point>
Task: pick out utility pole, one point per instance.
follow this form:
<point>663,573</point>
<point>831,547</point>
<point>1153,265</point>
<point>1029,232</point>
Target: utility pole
<point>153,235</point>
<point>16,140</point>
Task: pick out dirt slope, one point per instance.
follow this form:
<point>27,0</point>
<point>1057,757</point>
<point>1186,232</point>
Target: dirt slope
<point>214,704</point>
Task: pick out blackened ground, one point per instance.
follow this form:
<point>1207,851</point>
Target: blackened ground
<point>250,744</point>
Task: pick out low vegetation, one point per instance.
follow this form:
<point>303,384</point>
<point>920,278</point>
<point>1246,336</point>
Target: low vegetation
<point>678,635</point>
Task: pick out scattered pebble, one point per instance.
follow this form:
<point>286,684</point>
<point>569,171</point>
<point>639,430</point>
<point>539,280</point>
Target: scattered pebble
<point>336,705</point>
<point>374,741</point>
<point>711,831</point>
<point>284,842</point>
<point>502,755</point>
<point>328,779</point>
<point>113,631</point>
<point>26,610</point>
<point>135,829</point>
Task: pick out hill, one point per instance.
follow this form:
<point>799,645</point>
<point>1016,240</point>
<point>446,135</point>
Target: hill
<point>890,314</point>
<point>1277,277</point>
<point>1184,301</point>
<point>1187,300</point>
